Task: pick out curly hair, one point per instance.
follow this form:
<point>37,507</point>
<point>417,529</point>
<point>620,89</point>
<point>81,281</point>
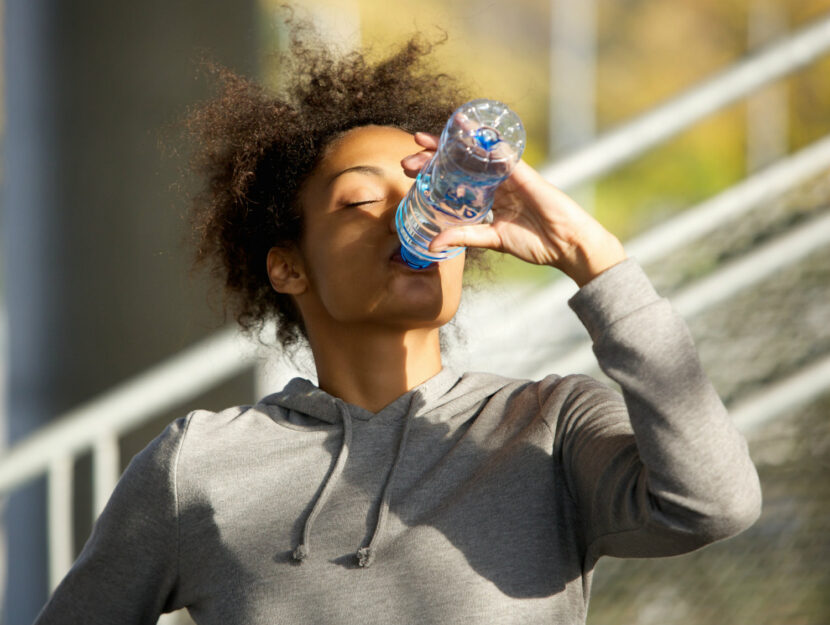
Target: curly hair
<point>254,149</point>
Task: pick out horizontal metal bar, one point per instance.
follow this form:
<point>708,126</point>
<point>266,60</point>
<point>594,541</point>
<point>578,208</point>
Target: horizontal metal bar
<point>183,376</point>
<point>767,184</point>
<point>786,395</point>
<point>690,225</point>
<point>752,268</point>
<point>716,287</point>
<point>634,137</point>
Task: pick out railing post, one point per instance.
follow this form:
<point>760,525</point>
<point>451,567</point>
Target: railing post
<point>59,510</point>
<point>767,111</point>
<point>106,457</point>
<point>573,78</point>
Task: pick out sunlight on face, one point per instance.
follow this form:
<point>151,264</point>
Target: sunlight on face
<point>350,246</point>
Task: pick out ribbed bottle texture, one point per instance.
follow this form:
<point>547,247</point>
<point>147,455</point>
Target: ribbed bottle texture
<point>478,148</point>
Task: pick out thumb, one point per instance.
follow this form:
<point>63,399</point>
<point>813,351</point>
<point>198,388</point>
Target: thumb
<point>479,235</point>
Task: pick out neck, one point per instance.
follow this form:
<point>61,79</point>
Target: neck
<point>371,367</point>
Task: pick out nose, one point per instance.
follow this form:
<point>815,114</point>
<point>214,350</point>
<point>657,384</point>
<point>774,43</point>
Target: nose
<point>393,211</point>
<point>400,194</point>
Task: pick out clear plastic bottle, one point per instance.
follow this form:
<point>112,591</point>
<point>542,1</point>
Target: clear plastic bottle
<point>480,145</point>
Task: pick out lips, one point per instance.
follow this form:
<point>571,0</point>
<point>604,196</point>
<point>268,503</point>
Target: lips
<point>398,259</point>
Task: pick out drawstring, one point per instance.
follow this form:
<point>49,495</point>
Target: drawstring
<point>301,552</point>
<point>366,555</point>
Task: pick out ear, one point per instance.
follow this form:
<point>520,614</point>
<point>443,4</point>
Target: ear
<point>285,271</point>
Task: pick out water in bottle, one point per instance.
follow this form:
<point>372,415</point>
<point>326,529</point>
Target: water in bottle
<point>478,148</point>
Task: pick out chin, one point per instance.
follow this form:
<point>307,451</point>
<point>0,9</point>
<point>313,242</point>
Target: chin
<point>430,318</point>
<point>416,314</point>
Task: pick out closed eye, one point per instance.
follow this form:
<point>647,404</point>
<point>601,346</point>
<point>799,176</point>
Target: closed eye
<point>353,204</point>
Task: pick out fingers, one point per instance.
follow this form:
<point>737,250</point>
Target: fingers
<point>413,163</point>
<point>465,123</point>
<point>480,235</point>
<point>426,140</point>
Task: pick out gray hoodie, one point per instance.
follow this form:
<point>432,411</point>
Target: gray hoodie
<point>470,499</point>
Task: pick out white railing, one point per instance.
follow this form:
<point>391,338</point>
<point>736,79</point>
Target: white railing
<point>633,138</point>
<point>729,280</point>
<point>99,424</point>
<point>649,247</point>
<point>786,395</point>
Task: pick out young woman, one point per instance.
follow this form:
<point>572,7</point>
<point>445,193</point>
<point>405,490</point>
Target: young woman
<point>396,490</point>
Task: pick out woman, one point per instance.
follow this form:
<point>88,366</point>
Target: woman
<point>396,490</point>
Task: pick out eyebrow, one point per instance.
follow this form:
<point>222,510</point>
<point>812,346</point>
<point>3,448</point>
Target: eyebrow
<point>362,169</point>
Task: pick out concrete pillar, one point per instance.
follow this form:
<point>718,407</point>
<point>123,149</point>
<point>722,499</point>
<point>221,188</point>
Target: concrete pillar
<point>96,276</point>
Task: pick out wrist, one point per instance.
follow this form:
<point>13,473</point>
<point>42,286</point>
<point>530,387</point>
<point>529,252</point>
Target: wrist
<point>590,260</point>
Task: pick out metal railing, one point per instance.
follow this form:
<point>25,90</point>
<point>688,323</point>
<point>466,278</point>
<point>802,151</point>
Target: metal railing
<point>98,424</point>
<point>700,220</point>
<point>683,229</point>
<point>734,277</point>
<point>633,138</point>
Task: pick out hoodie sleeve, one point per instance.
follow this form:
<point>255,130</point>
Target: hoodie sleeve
<point>660,470</point>
<point>128,568</point>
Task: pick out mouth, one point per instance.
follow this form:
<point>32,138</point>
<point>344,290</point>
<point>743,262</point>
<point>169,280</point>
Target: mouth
<point>397,259</point>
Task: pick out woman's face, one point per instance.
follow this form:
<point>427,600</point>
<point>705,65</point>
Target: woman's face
<point>350,248</point>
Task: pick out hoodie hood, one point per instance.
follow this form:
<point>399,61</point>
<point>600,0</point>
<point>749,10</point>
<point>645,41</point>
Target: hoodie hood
<point>439,397</point>
<point>446,393</point>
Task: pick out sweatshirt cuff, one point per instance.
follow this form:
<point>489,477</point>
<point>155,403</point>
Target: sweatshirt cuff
<point>612,295</point>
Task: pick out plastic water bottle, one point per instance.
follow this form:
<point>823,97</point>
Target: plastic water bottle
<point>480,145</point>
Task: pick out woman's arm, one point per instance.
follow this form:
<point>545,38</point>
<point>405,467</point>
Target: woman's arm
<point>661,469</point>
<point>128,569</point>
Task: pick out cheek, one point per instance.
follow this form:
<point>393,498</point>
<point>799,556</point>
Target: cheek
<point>338,272</point>
<point>329,247</point>
<point>338,285</point>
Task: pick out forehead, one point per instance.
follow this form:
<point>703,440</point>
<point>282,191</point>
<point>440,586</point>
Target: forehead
<point>367,145</point>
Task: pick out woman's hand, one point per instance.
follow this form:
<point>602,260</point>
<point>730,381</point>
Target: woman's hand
<point>532,220</point>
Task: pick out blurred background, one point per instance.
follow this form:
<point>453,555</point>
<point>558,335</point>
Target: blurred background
<point>697,130</point>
